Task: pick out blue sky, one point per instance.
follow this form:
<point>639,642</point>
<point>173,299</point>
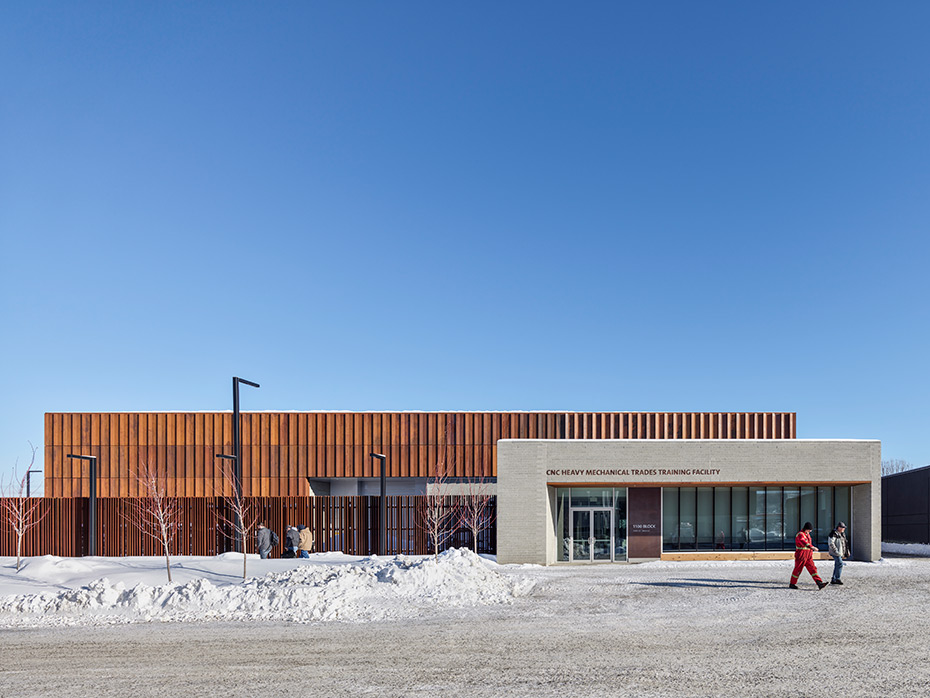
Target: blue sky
<point>477,206</point>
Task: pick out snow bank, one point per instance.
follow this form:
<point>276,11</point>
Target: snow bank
<point>353,589</point>
<point>915,549</point>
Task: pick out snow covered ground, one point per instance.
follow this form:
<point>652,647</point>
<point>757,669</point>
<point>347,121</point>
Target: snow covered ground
<point>328,586</point>
<point>337,625</point>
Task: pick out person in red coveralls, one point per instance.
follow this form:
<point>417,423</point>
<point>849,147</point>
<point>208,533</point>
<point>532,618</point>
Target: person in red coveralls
<point>804,557</point>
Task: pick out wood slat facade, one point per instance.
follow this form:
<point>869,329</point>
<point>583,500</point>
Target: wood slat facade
<point>281,450</point>
<point>347,524</point>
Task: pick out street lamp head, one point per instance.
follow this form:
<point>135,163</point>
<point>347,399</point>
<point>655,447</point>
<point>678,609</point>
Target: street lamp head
<point>378,455</point>
<point>79,457</point>
<point>225,457</point>
<point>243,380</point>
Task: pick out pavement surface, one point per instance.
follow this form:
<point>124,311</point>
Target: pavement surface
<point>679,629</point>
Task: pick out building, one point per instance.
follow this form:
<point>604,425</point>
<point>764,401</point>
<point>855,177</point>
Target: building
<point>619,500</point>
<point>571,486</point>
<point>906,506</point>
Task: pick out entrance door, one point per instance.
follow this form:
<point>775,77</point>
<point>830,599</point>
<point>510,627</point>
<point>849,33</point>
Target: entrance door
<point>581,534</point>
<point>592,535</point>
<point>602,528</point>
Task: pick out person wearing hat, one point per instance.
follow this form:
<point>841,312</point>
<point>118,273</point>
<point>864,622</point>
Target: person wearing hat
<point>291,540</point>
<point>265,540</point>
<point>304,541</point>
<point>804,557</point>
<point>839,549</point>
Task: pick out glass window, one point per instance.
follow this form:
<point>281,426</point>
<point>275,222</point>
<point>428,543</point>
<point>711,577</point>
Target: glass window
<point>722,538</point>
<point>705,518</point>
<point>746,518</point>
<point>808,506</point>
<point>756,518</point>
<point>841,511</point>
<point>824,523</point>
<point>740,517</point>
<point>620,524</point>
<point>792,522</point>
<point>670,518</point>
<point>774,518</point>
<point>687,521</point>
<point>563,523</point>
<point>592,497</point>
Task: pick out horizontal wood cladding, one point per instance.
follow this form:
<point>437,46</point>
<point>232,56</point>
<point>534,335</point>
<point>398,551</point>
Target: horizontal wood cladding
<point>280,450</point>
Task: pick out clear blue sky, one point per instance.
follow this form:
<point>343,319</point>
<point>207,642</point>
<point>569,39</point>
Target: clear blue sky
<point>477,206</point>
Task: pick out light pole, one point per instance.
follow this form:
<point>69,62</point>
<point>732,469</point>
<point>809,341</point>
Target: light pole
<point>237,442</point>
<point>29,482</point>
<point>92,514</point>
<point>237,451</point>
<point>382,540</point>
<point>237,541</point>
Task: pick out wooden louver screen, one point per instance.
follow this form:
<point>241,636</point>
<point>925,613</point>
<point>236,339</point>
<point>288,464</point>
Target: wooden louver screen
<point>281,450</point>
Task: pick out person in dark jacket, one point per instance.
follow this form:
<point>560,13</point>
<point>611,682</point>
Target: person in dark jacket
<point>839,549</point>
<point>291,539</point>
<point>265,540</point>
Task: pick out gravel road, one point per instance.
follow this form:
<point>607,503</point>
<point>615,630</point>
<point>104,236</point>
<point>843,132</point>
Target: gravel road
<point>684,629</point>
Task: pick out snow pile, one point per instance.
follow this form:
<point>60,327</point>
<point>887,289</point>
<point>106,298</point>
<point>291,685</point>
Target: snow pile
<point>355,590</point>
<point>915,549</point>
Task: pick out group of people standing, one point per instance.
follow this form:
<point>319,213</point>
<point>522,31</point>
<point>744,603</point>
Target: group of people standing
<point>298,541</point>
<point>804,550</point>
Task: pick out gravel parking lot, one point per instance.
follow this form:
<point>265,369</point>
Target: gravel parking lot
<point>660,629</point>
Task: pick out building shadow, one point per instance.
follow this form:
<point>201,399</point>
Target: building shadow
<point>716,583</point>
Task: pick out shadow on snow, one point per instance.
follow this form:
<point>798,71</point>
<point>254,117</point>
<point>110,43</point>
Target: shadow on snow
<point>716,583</point>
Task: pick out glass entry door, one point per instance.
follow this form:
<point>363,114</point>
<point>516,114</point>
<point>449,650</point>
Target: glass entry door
<point>592,535</point>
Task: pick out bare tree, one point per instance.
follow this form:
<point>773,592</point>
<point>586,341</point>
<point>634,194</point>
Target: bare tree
<point>438,511</point>
<point>238,517</point>
<point>895,465</point>
<point>153,513</point>
<point>19,511</point>
<point>477,510</point>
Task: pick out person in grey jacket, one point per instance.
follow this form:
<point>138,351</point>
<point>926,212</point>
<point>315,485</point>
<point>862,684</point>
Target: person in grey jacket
<point>265,540</point>
<point>291,539</point>
<point>839,549</point>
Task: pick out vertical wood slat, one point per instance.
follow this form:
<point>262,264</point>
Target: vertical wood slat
<point>278,460</point>
<point>67,467</point>
<point>293,456</point>
<point>50,466</point>
<point>180,453</point>
<point>73,487</point>
<point>313,462</point>
<point>303,449</point>
<point>395,464</point>
<point>401,440</point>
<point>167,442</point>
<point>151,447</point>
<point>339,443</point>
